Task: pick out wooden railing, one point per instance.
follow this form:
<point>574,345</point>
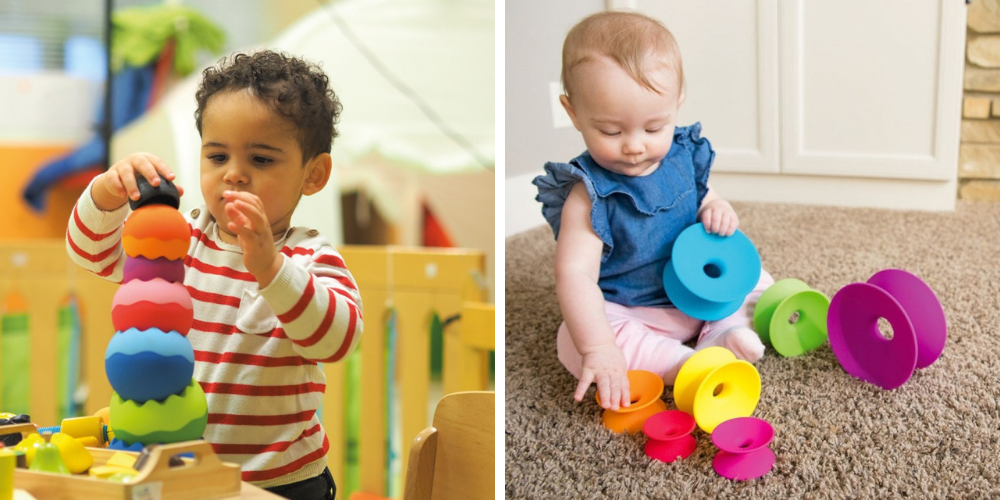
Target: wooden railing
<point>415,283</point>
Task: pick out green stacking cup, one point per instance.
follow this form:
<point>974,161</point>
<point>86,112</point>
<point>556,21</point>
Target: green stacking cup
<point>791,316</point>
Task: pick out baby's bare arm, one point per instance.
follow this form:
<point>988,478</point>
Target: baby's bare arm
<point>578,263</point>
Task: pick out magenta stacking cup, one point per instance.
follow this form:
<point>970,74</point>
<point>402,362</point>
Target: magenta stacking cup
<point>141,268</point>
<point>743,452</point>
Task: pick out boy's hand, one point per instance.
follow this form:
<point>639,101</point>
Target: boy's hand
<point>605,365</point>
<point>719,217</point>
<point>248,222</point>
<point>117,186</point>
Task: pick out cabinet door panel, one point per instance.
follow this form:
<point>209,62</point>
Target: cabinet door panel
<point>871,89</point>
<point>729,52</point>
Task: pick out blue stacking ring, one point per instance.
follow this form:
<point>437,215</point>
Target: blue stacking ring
<point>708,276</point>
<point>148,364</point>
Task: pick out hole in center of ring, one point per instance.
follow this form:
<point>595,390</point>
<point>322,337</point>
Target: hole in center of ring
<point>794,318</point>
<point>713,270</point>
<point>718,390</point>
<point>747,443</point>
<point>885,328</point>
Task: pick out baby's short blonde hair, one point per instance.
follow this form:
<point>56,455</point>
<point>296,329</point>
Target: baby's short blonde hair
<point>628,38</point>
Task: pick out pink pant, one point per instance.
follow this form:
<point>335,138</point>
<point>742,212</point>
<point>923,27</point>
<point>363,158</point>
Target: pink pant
<point>652,338</point>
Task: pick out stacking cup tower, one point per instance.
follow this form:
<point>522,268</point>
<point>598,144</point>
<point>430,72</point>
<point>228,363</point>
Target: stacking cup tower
<point>149,361</point>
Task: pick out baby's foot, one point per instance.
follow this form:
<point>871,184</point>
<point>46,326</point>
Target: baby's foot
<point>742,341</point>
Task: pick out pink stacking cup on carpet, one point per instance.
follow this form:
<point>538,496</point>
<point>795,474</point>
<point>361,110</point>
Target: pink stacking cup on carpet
<point>743,448</point>
<point>669,434</point>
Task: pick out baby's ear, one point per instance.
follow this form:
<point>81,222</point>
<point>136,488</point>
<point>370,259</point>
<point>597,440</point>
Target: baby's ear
<point>318,174</point>
<point>564,100</point>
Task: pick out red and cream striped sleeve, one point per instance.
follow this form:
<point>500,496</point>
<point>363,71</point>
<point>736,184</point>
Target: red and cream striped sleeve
<point>93,237</point>
<point>316,300</point>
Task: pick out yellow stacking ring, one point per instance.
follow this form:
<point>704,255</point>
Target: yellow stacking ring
<point>713,386</point>
<point>730,391</point>
<point>694,371</point>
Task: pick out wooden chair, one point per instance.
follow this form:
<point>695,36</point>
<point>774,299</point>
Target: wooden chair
<point>455,457</point>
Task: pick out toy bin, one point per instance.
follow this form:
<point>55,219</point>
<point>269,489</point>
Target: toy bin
<point>202,477</point>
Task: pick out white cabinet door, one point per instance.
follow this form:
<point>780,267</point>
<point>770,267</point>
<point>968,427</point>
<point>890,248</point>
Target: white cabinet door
<point>834,102</point>
<point>871,89</point>
<point>730,57</point>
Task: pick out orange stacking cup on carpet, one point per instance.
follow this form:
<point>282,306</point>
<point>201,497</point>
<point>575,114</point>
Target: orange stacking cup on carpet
<point>645,389</point>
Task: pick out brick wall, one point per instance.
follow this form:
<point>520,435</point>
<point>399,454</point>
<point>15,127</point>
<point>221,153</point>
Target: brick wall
<point>979,157</point>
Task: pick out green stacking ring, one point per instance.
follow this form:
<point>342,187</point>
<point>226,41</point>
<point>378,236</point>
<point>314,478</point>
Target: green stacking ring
<point>773,317</point>
<point>179,417</point>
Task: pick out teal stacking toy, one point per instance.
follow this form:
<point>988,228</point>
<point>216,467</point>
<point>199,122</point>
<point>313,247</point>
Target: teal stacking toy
<point>148,364</point>
<point>708,276</point>
<point>149,361</point>
<point>791,316</point>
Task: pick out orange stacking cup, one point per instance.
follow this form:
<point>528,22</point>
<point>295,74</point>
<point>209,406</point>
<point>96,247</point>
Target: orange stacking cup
<point>645,389</point>
<point>155,231</point>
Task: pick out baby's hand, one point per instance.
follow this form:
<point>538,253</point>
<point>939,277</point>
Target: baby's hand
<point>605,365</point>
<point>719,217</point>
<point>117,186</point>
<point>248,221</point>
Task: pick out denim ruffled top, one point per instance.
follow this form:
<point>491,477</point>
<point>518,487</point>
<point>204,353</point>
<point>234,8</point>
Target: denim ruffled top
<point>637,218</point>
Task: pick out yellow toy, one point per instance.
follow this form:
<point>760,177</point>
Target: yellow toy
<point>8,461</point>
<point>89,442</point>
<point>84,427</point>
<point>105,471</point>
<point>104,414</point>
<point>121,459</point>
<point>27,445</point>
<point>713,386</point>
<point>119,463</point>
<point>73,453</point>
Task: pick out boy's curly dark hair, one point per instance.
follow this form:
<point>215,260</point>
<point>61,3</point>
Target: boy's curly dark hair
<point>294,88</point>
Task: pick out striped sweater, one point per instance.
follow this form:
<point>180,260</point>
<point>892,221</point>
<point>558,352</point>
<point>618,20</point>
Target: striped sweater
<point>256,350</point>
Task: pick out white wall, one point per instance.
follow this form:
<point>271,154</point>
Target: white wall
<point>534,34</point>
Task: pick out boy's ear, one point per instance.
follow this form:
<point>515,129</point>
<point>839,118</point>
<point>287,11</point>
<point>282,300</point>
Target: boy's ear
<point>564,100</point>
<point>319,173</point>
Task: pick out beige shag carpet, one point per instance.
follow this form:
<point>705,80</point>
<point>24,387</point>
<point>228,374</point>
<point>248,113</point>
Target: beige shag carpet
<point>937,436</point>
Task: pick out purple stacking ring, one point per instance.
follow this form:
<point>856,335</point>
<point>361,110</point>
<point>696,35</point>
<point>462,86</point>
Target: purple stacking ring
<point>144,269</point>
<point>919,328</point>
